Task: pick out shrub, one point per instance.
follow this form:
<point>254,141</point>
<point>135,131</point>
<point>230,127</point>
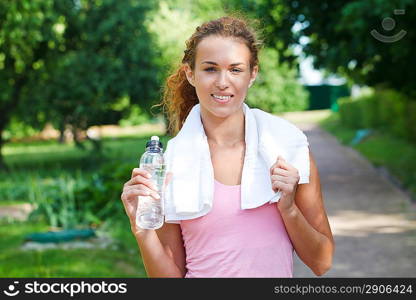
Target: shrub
<point>276,88</point>
<point>386,110</point>
<point>100,194</point>
<point>410,120</point>
<point>55,202</point>
<point>350,112</point>
<point>81,201</point>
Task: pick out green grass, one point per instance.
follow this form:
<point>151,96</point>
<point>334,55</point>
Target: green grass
<point>395,154</point>
<point>39,165</point>
<point>124,261</point>
<point>50,156</point>
<point>332,124</point>
<point>54,160</point>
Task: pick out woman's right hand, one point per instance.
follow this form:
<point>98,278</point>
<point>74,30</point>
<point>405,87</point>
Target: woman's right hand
<point>140,184</point>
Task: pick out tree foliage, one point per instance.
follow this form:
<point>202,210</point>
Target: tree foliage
<point>339,37</point>
<point>26,28</point>
<point>276,88</point>
<point>75,62</point>
<point>174,22</point>
<point>106,64</point>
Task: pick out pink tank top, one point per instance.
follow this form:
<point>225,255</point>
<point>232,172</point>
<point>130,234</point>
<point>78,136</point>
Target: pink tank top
<point>231,242</point>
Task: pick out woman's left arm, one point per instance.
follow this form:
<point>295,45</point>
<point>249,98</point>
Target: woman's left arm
<point>303,213</point>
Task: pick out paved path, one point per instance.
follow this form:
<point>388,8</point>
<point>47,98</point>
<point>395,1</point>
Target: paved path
<point>373,222</point>
<point>16,211</point>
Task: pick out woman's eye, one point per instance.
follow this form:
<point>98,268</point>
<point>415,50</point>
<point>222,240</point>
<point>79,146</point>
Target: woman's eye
<point>236,70</point>
<point>209,69</point>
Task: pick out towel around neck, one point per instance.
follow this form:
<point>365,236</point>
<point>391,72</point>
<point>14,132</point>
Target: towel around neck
<point>191,190</point>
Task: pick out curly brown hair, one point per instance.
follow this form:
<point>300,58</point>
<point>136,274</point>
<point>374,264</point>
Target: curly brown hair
<point>179,96</point>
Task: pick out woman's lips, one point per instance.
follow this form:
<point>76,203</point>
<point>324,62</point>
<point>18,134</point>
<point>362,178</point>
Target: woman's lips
<point>221,99</point>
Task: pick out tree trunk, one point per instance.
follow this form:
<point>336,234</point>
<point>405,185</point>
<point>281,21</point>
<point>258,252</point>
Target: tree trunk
<point>6,111</point>
<point>62,139</point>
<point>3,165</point>
<point>77,140</point>
<point>97,144</point>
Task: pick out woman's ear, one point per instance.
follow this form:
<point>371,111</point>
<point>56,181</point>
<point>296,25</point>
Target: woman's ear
<point>253,76</point>
<point>189,74</point>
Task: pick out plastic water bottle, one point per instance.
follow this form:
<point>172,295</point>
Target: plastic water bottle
<point>150,211</point>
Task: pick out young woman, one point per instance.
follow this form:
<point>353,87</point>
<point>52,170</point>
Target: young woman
<point>218,67</point>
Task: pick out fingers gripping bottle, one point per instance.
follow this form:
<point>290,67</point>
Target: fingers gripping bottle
<point>150,211</point>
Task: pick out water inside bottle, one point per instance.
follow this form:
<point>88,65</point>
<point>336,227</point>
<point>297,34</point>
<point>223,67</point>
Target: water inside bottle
<point>150,211</point>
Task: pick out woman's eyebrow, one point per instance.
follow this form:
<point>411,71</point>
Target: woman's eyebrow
<point>215,64</point>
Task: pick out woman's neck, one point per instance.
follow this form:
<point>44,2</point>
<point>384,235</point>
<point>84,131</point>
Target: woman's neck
<point>224,132</point>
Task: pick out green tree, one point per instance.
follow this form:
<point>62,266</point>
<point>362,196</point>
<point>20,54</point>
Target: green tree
<point>276,88</point>
<point>339,37</point>
<point>171,42</point>
<point>107,66</point>
<point>80,62</point>
<point>173,22</point>
<point>26,28</point>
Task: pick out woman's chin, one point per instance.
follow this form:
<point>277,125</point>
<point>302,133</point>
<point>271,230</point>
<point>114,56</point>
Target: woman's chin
<point>220,112</point>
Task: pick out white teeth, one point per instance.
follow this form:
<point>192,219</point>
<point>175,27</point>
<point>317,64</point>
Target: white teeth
<point>222,97</point>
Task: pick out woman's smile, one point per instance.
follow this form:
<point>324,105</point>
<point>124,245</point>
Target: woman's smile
<point>222,99</point>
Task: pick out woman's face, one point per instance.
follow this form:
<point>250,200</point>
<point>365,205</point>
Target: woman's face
<point>222,75</point>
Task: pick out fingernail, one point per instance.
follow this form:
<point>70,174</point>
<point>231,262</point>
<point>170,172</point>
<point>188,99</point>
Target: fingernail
<point>149,176</point>
<point>156,196</point>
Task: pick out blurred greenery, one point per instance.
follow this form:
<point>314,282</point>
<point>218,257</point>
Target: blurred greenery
<point>69,188</point>
<point>382,149</point>
<point>276,88</point>
<point>47,163</point>
<point>392,117</point>
<point>336,34</point>
<point>383,109</point>
<point>120,260</point>
<point>77,63</point>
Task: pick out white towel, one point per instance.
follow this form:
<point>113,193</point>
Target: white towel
<point>191,190</point>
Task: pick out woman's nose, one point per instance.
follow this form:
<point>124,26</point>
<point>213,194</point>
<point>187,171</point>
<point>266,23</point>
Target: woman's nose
<point>222,80</point>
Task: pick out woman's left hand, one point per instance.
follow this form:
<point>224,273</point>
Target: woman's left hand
<point>285,179</point>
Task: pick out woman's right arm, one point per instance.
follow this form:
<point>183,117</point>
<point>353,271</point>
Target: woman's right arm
<point>162,250</point>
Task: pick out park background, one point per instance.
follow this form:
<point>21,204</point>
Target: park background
<point>79,80</point>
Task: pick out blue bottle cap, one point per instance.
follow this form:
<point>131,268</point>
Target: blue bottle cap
<point>154,142</point>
